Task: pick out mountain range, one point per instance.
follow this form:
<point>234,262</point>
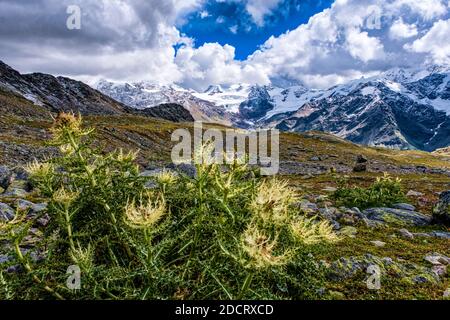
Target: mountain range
<point>398,109</point>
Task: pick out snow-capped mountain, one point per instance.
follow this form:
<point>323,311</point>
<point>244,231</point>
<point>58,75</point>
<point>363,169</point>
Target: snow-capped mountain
<point>208,106</point>
<point>400,108</point>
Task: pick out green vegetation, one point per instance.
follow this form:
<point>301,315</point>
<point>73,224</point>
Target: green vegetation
<point>225,234</point>
<point>386,191</point>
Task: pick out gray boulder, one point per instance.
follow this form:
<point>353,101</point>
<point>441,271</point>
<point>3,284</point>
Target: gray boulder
<point>6,212</point>
<point>397,217</point>
<point>404,206</point>
<point>441,211</point>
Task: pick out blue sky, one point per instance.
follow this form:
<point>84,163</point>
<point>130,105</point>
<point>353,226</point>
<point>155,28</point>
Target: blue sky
<point>230,23</point>
<point>196,43</point>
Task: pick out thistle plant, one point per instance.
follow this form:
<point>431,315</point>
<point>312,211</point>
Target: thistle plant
<point>385,191</point>
<point>223,234</point>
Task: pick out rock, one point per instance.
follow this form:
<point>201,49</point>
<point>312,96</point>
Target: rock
<point>439,270</point>
<point>441,211</point>
<point>5,177</point>
<point>440,234</point>
<point>4,258</point>
<point>17,189</point>
<point>404,206</point>
<point>412,193</point>
<point>329,189</point>
<point>437,259</point>
<point>397,217</point>
<point>185,169</point>
<point>361,159</point>
<point>378,243</point>
<point>315,158</point>
<point>308,207</point>
<point>360,167</point>
<point>446,294</point>
<point>6,212</point>
<point>23,205</point>
<point>406,234</point>
<point>348,231</point>
<point>43,221</point>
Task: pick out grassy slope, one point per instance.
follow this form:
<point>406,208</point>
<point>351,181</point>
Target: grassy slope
<point>152,138</point>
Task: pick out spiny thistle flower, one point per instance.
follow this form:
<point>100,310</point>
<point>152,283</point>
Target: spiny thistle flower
<point>67,124</point>
<point>144,215</point>
<point>273,200</point>
<point>66,149</point>
<point>311,232</point>
<point>166,178</point>
<point>83,257</point>
<point>260,248</point>
<point>40,170</point>
<point>65,197</point>
<point>387,178</point>
<point>126,157</point>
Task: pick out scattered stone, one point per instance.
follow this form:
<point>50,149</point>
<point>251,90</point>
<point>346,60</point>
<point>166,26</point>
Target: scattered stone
<point>440,234</point>
<point>446,294</point>
<point>5,177</point>
<point>23,205</point>
<point>404,206</point>
<point>315,158</point>
<point>346,268</point>
<point>184,168</point>
<point>308,207</point>
<point>397,217</point>
<point>360,167</point>
<point>412,193</point>
<point>378,243</point>
<point>6,212</point>
<point>437,259</point>
<point>17,189</point>
<point>439,270</point>
<point>361,159</point>
<point>43,221</point>
<point>329,189</point>
<point>406,233</point>
<point>441,211</point>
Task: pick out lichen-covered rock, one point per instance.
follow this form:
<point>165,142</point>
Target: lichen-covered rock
<point>404,206</point>
<point>397,217</point>
<point>6,212</point>
<point>409,273</point>
<point>441,212</point>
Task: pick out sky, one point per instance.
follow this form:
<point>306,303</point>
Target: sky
<point>195,43</point>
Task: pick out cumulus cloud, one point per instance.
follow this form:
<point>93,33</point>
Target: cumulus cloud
<point>401,30</point>
<point>258,9</point>
<point>435,42</point>
<point>363,47</point>
<point>136,40</point>
<point>213,63</point>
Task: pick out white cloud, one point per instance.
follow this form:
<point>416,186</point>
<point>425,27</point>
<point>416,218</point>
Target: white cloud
<point>204,14</point>
<point>234,29</point>
<point>129,41</point>
<point>258,9</point>
<point>401,30</point>
<point>363,47</point>
<point>428,9</point>
<point>436,42</point>
<point>213,63</point>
